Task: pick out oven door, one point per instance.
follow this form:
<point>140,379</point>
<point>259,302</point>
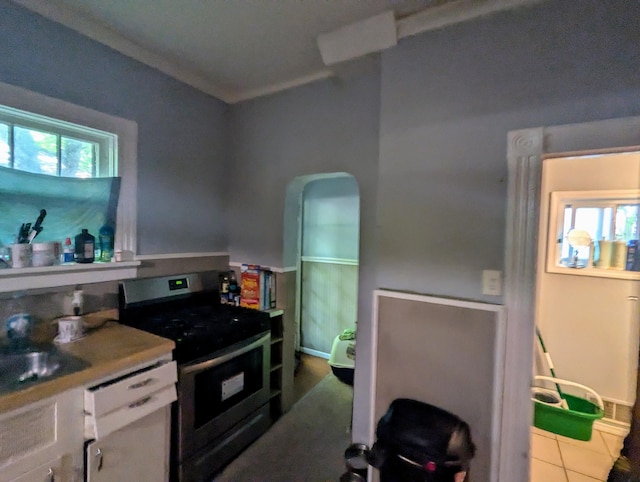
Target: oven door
<point>218,392</point>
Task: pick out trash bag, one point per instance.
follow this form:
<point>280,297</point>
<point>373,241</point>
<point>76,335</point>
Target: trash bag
<point>420,442</point>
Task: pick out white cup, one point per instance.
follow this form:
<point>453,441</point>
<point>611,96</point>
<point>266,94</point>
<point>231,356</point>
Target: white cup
<point>70,328</point>
<point>21,255</point>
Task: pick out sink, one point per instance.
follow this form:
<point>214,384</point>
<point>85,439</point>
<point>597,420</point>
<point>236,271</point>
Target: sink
<point>24,367</point>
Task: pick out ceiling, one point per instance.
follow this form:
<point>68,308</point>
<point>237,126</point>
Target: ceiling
<point>240,49</point>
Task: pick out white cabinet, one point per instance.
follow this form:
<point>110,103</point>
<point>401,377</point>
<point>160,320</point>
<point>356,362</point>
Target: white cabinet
<point>49,472</point>
<point>43,441</point>
<point>137,452</point>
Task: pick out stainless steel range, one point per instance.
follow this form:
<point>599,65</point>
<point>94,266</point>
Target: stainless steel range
<point>223,367</point>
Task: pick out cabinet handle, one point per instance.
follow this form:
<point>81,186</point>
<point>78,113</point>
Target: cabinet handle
<point>51,477</point>
<point>141,384</point>
<point>140,402</point>
<point>632,298</point>
<point>100,458</point>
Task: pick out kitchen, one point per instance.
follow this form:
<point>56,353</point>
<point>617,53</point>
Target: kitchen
<point>424,136</point>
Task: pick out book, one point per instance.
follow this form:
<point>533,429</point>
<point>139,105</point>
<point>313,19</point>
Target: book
<point>250,286</point>
<point>268,290</point>
<point>633,256</point>
<point>257,287</point>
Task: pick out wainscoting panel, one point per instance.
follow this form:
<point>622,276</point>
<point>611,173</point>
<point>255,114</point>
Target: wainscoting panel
<point>328,302</point>
<point>449,353</point>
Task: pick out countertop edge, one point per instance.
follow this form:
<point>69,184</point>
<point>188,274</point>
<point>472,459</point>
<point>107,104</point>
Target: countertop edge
<point>158,347</point>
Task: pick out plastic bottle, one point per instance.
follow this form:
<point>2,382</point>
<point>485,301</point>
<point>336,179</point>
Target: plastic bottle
<point>106,238</point>
<point>67,251</point>
<point>85,247</point>
<point>224,288</point>
<point>234,289</point>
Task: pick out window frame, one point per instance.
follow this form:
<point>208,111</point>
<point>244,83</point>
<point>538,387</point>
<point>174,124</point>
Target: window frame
<point>126,132</point>
<point>561,200</point>
<point>107,152</point>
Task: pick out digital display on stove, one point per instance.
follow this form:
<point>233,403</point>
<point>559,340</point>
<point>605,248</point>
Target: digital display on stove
<point>178,284</point>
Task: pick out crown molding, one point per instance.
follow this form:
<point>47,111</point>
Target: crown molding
<point>453,12</point>
<point>89,27</point>
<point>274,88</point>
<point>428,19</point>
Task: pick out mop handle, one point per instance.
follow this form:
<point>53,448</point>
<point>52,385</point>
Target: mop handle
<point>548,358</point>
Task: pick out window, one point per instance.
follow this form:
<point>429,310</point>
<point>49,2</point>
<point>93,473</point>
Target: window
<point>34,143</point>
<point>60,144</point>
<point>596,230</point>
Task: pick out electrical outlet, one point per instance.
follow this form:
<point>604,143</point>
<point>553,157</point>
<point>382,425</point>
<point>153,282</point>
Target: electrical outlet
<point>491,282</point>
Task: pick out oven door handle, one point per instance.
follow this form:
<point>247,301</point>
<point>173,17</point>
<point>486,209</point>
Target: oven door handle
<point>211,362</point>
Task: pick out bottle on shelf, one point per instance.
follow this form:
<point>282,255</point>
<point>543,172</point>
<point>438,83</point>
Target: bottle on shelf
<point>106,238</point>
<point>234,289</point>
<point>85,247</point>
<point>67,251</point>
<point>224,288</point>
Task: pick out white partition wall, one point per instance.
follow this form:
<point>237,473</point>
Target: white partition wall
<point>446,352</point>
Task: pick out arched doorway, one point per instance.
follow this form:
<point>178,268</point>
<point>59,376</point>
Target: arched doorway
<point>321,239</point>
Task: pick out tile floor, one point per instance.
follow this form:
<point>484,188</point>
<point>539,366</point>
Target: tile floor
<point>555,458</point>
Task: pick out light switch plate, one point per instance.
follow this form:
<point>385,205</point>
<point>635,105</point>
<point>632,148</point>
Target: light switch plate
<point>491,282</point>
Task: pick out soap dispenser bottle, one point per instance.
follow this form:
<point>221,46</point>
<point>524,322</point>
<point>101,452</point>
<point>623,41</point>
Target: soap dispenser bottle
<point>106,237</point>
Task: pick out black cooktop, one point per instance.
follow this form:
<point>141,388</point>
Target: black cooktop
<point>194,318</point>
<point>202,330</point>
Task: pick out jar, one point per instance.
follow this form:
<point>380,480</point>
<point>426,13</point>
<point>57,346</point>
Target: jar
<point>43,254</point>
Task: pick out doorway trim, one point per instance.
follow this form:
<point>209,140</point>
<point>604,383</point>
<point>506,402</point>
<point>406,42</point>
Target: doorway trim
<point>526,150</point>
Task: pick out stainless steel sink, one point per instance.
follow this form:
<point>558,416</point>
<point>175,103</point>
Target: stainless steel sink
<point>31,365</point>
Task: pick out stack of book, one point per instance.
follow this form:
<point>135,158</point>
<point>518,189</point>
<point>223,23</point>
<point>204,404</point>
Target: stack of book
<point>257,287</point>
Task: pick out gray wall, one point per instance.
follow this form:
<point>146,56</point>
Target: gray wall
<point>450,96</point>
<point>324,127</point>
<point>182,147</point>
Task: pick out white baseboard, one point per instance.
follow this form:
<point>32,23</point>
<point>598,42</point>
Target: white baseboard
<point>615,428</point>
<point>319,354</point>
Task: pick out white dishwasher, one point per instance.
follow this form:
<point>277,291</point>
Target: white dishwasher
<point>128,424</point>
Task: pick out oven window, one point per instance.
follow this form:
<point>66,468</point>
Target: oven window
<point>221,387</point>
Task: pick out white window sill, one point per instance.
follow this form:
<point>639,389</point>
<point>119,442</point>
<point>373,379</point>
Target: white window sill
<point>598,273</point>
<point>18,279</point>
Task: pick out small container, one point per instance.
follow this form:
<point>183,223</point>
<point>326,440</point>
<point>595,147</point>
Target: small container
<point>85,247</point>
<point>44,254</point>
<point>21,255</point>
<point>70,328</point>
<point>68,252</point>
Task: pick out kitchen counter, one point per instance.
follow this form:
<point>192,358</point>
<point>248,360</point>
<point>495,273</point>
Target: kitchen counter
<point>109,350</point>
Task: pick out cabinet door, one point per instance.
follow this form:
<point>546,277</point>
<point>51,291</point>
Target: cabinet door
<point>50,472</point>
<point>139,451</point>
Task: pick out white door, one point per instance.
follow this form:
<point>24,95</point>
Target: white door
<point>49,472</point>
<point>139,451</point>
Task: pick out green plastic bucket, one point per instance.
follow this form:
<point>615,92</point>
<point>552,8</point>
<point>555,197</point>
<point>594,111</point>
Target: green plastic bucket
<point>576,422</point>
<point>576,419</point>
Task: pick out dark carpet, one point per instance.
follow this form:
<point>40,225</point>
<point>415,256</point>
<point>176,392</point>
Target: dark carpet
<point>306,444</point>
